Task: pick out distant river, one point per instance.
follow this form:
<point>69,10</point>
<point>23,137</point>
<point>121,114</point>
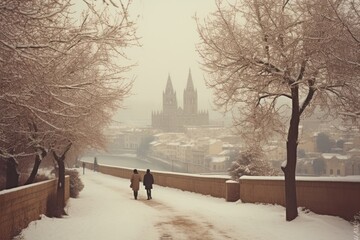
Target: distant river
<point>128,160</point>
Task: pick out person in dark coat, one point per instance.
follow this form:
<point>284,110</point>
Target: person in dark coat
<point>135,182</point>
<point>148,182</point>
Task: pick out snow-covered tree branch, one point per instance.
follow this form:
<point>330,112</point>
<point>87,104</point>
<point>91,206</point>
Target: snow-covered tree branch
<point>273,62</point>
<point>62,68</point>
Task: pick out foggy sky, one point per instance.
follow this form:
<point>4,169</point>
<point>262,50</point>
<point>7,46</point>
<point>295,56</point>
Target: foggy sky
<point>168,36</point>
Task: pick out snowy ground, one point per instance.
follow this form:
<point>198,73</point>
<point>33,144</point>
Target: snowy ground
<point>106,210</point>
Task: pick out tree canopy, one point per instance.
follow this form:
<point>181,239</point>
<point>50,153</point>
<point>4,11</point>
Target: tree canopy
<point>62,75</point>
<point>272,62</point>
<point>62,66</point>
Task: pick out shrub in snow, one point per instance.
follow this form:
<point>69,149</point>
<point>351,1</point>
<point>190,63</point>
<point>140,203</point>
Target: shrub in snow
<point>76,185</point>
<point>251,163</point>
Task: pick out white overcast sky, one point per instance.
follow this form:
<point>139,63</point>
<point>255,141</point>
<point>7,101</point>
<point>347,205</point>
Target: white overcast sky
<point>168,35</point>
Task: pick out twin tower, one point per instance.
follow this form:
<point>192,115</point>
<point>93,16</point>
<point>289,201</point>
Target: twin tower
<point>173,118</point>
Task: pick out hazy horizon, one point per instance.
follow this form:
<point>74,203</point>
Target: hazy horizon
<point>168,33</point>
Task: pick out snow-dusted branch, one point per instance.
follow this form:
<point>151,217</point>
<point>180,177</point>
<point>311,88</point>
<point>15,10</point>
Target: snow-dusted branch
<point>256,52</point>
<point>62,74</point>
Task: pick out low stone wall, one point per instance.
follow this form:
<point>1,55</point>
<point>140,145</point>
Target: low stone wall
<point>206,185</point>
<point>339,197</point>
<point>19,206</point>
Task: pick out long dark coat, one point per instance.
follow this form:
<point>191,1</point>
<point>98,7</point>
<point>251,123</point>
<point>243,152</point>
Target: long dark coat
<point>148,180</point>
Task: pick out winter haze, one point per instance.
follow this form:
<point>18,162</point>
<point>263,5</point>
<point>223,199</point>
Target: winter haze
<point>168,35</point>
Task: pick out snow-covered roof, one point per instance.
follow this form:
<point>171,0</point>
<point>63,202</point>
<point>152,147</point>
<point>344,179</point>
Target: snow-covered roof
<point>218,159</point>
<point>174,143</point>
<point>189,144</point>
<point>270,147</point>
<point>227,145</point>
<point>155,143</point>
<point>225,152</point>
<point>354,150</point>
<point>334,155</point>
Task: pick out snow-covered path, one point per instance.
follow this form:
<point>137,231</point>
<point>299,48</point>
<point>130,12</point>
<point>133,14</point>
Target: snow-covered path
<point>106,210</point>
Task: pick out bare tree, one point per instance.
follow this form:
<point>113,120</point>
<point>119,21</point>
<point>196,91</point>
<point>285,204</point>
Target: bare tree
<point>274,62</point>
<point>62,73</point>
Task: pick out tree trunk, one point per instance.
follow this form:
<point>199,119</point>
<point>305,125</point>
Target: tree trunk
<point>34,170</point>
<point>290,168</point>
<point>60,196</point>
<point>38,157</point>
<point>290,182</point>
<point>12,175</point>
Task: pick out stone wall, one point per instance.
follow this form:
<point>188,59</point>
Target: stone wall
<point>19,206</point>
<point>206,185</point>
<point>329,196</point>
<point>339,197</point>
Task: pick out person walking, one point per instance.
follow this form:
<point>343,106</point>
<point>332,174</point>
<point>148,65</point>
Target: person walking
<point>135,182</point>
<point>95,165</point>
<point>83,164</point>
<point>148,182</point>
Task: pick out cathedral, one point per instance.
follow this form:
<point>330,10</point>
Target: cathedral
<point>173,118</point>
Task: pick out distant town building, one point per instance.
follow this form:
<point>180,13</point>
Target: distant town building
<point>219,163</point>
<point>129,139</point>
<point>173,118</point>
<point>342,165</point>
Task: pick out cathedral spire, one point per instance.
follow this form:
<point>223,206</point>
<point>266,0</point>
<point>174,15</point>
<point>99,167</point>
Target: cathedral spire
<point>190,84</point>
<point>169,87</point>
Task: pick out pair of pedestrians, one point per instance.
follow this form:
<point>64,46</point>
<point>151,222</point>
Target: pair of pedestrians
<point>135,183</point>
